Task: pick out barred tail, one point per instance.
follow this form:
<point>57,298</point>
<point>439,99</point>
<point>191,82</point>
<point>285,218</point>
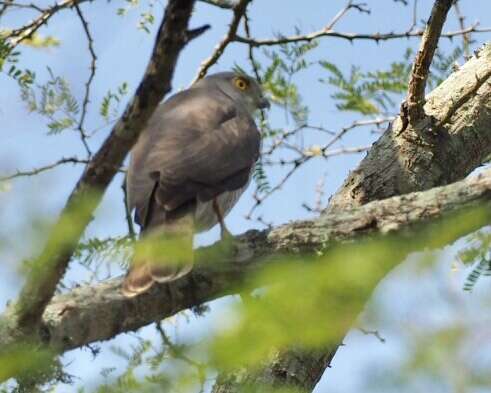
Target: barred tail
<point>163,254</point>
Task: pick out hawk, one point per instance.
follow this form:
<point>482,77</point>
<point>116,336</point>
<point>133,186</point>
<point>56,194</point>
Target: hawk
<point>188,169</point>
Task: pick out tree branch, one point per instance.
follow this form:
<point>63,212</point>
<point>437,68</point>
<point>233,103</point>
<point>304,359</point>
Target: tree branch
<point>421,67</point>
<point>49,267</point>
<point>18,35</point>
<point>239,11</point>
<point>99,312</point>
<point>36,171</point>
<point>377,37</point>
<point>90,41</point>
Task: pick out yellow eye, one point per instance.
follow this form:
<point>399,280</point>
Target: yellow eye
<point>241,83</point>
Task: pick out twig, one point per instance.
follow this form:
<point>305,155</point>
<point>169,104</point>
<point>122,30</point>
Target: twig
<point>36,171</point>
<point>319,196</point>
<point>80,128</point>
<point>253,62</point>
<point>416,91</point>
<point>415,16</point>
<point>239,11</point>
<point>353,36</point>
<point>129,220</point>
<point>358,123</point>
<point>18,35</point>
<point>306,155</point>
<point>5,4</point>
<point>361,7</point>
<point>178,353</point>
<point>374,333</point>
<point>466,37</point>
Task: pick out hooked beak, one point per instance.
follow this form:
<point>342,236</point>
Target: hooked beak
<point>264,103</point>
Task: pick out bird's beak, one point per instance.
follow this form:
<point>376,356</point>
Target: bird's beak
<point>264,103</point>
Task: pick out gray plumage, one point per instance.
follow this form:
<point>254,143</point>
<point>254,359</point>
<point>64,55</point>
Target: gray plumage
<point>200,146</point>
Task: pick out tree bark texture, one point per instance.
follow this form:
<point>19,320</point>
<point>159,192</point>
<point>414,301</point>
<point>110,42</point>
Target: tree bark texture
<point>98,312</point>
<point>451,140</point>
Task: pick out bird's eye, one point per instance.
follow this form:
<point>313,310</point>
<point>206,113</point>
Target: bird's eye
<point>241,83</point>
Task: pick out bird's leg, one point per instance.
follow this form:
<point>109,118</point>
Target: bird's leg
<point>224,232</point>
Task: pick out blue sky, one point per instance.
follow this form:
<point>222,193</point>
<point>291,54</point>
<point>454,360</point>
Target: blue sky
<point>122,55</point>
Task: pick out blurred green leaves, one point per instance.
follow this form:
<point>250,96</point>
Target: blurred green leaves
<point>311,302</point>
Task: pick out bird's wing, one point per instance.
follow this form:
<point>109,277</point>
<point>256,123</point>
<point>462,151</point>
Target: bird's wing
<point>197,145</point>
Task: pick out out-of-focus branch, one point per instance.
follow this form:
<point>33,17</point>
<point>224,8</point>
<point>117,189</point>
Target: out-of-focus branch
<point>466,38</point>
<point>47,270</point>
<point>239,11</point>
<point>421,67</point>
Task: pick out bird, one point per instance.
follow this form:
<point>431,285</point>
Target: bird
<point>187,170</point>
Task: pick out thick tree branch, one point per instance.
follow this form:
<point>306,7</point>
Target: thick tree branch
<point>49,267</point>
<point>421,66</point>
<point>99,312</point>
<point>422,157</point>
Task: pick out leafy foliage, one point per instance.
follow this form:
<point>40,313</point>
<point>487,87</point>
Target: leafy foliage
<point>368,93</point>
<point>110,103</point>
<point>286,62</point>
<point>10,58</point>
<point>53,100</point>
<point>371,93</point>
<point>260,178</point>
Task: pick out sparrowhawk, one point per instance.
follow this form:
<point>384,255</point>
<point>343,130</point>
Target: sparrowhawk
<point>188,169</point>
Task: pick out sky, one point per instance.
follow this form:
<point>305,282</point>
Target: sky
<point>122,53</point>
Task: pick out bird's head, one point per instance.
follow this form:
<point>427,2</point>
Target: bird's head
<point>242,88</point>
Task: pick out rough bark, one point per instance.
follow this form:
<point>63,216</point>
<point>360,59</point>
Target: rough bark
<point>99,312</point>
<point>430,154</point>
<point>450,141</point>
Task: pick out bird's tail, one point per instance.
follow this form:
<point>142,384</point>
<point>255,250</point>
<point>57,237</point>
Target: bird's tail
<point>163,254</point>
